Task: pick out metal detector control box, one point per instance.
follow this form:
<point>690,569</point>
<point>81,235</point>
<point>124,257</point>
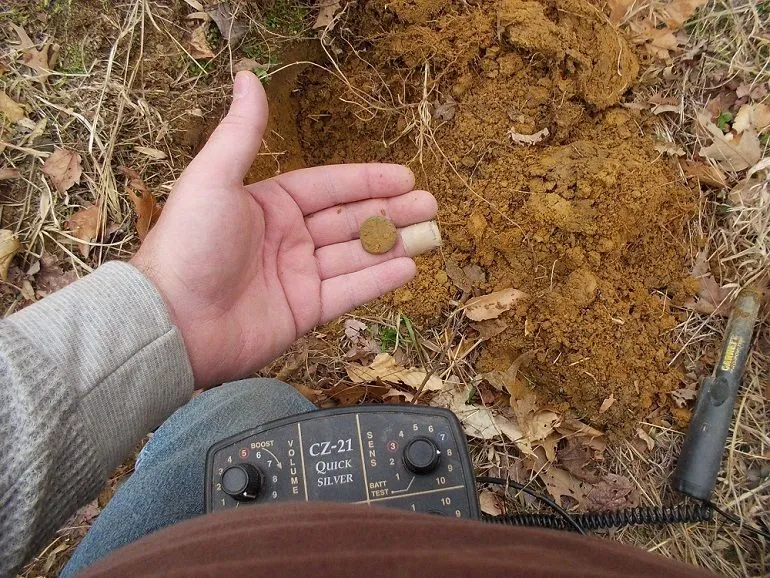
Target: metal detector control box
<point>409,457</point>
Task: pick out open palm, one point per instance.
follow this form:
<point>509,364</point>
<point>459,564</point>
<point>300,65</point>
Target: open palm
<point>245,270</point>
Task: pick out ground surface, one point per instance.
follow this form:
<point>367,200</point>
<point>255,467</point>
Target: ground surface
<point>560,138</point>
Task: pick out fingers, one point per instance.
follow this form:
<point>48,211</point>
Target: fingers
<point>318,188</point>
<point>231,149</point>
<point>349,257</point>
<point>345,292</point>
<point>341,223</point>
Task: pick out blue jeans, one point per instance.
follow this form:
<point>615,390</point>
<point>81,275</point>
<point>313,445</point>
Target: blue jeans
<point>167,484</point>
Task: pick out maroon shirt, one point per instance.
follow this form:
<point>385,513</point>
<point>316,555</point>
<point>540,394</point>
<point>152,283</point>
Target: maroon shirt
<point>319,540</point>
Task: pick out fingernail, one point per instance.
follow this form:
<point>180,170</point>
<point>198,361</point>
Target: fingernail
<point>241,85</point>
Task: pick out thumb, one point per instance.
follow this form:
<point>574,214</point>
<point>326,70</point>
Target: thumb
<point>234,144</point>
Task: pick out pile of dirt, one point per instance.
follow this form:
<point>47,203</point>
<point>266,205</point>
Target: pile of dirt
<point>590,221</point>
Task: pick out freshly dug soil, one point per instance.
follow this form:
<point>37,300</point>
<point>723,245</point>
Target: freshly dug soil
<point>591,221</point>
<point>378,235</point>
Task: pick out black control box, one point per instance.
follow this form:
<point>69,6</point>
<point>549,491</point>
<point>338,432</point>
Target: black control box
<point>410,457</point>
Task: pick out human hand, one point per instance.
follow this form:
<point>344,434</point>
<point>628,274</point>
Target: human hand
<point>246,270</point>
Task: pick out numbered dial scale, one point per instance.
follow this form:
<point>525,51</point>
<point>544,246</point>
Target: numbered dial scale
<point>409,457</point>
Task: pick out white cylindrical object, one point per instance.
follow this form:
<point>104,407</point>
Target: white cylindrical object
<point>420,238</point>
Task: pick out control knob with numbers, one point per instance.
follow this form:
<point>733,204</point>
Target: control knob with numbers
<point>421,455</point>
<point>242,482</point>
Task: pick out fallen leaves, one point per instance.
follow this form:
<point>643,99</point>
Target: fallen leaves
<point>230,27</point>
<point>51,277</point>
<point>385,368</point>
<point>465,278</point>
<point>64,169</point>
<point>8,174</point>
<point>607,404</point>
<point>492,305</point>
<point>42,60</point>
<point>679,11</point>
<point>712,299</point>
<point>561,484</point>
<point>683,396</point>
<point>704,173</point>
<point>9,246</point>
<point>361,345</point>
<point>659,33</point>
<point>12,110</point>
<point>528,139</point>
<point>480,422</point>
<point>732,151</point>
<point>198,43</point>
<point>147,209</point>
<point>327,10</point>
<point>752,116</point>
<point>490,503</point>
<point>613,492</point>
<point>85,224</point>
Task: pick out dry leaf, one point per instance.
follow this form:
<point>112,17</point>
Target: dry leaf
<point>752,116</point>
<point>385,368</point>
<point>492,305</point>
<point>490,503</point>
<point>231,29</point>
<point>614,492</point>
<point>661,108</point>
<point>607,403</point>
<point>480,422</point>
<point>683,396</point>
<point>669,149</point>
<point>12,110</point>
<point>680,11</point>
<point>447,110</point>
<point>577,458</point>
<point>51,277</point>
<point>730,152</point>
<point>152,153</point>
<point>706,174</point>
<point>593,438</point>
<point>7,174</point>
<point>618,9</point>
<point>250,65</point>
<point>63,166</point>
<point>42,60</point>
<point>712,299</point>
<point>85,224</point>
<point>326,13</point>
<point>393,392</point>
<point>146,207</point>
<point>9,246</point>
<point>361,345</point>
<point>489,328</point>
<point>561,483</point>
<point>528,139</point>
<point>645,437</point>
<point>27,290</point>
<point>199,43</point>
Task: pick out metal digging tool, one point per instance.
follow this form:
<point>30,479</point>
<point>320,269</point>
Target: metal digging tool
<point>696,471</point>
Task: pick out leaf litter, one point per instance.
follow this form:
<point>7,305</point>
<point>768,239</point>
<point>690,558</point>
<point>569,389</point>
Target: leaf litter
<point>64,169</point>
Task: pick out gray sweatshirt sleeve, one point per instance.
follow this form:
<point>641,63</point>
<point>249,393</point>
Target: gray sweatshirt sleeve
<point>84,374</point>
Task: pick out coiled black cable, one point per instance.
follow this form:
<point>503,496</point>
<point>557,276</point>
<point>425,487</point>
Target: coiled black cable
<point>682,514</point>
<point>611,518</point>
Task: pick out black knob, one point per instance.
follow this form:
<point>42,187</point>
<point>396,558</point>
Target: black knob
<point>421,455</point>
<point>242,482</point>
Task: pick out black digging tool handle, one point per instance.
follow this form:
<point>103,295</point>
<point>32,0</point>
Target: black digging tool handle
<point>698,466</point>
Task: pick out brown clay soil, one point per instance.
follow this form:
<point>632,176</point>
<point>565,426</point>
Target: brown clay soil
<point>591,222</point>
